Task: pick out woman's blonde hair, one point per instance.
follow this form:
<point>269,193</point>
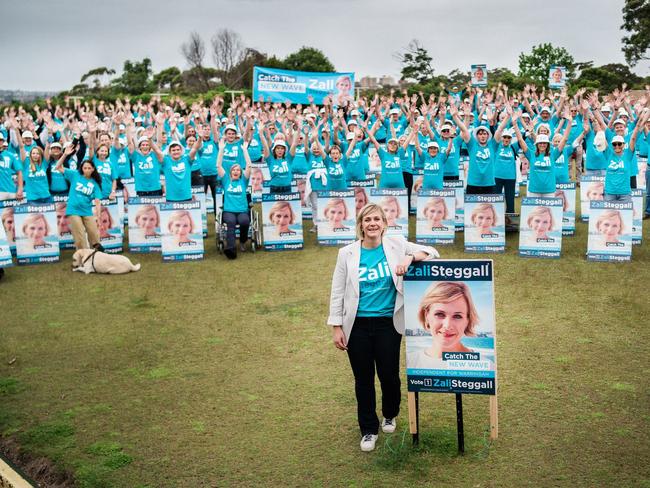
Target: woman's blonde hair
<point>32,166</point>
<point>538,212</point>
<point>333,203</point>
<point>390,200</point>
<point>432,202</point>
<point>611,214</point>
<point>33,218</point>
<point>146,209</point>
<point>278,206</point>
<point>177,215</point>
<point>366,210</point>
<point>482,207</point>
<point>445,292</point>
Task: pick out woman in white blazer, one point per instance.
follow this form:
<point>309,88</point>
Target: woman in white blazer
<point>367,315</point>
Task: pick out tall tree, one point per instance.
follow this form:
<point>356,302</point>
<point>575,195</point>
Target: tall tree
<point>308,59</point>
<point>416,62</point>
<point>194,51</point>
<point>636,21</point>
<point>136,77</point>
<point>169,78</point>
<point>608,77</point>
<point>536,64</point>
<point>227,52</point>
<point>99,76</point>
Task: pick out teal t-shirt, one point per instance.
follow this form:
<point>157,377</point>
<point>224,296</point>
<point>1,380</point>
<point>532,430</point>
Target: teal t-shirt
<point>178,177</point>
<point>335,175</point>
<point>146,171</point>
<point>391,170</point>
<point>9,165</point>
<point>541,177</point>
<point>433,171</point>
<point>481,163</point>
<point>280,171</point>
<point>108,172</point>
<point>505,162</point>
<point>561,164</point>
<point>377,291</point>
<point>234,194</point>
<point>82,193</point>
<point>36,184</point>
<point>617,173</point>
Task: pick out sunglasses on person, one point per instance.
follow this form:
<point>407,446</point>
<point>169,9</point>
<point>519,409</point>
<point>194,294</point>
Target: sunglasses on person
<point>617,144</point>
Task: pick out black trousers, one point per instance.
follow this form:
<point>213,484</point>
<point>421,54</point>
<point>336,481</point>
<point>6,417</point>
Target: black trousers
<point>408,181</point>
<point>212,183</point>
<point>479,190</point>
<point>507,187</point>
<point>374,342</point>
<point>153,193</point>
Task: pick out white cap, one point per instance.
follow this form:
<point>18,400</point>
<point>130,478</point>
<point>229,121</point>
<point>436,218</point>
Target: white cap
<point>479,128</point>
<point>354,112</point>
<point>142,139</point>
<point>55,144</point>
<point>541,138</point>
<point>433,144</point>
<point>606,108</point>
<point>349,136</point>
<point>545,109</point>
<point>230,127</point>
<point>394,111</point>
<point>279,143</point>
<point>310,116</point>
<point>175,143</point>
<point>618,139</point>
<point>507,133</point>
<point>352,122</point>
<point>622,112</point>
<point>28,135</point>
<point>322,110</point>
<point>122,127</point>
<point>137,119</point>
<point>392,139</point>
<point>617,121</point>
<point>446,125</point>
<point>525,114</point>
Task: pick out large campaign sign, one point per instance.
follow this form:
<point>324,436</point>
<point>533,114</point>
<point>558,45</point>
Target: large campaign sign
<point>278,85</point>
<point>450,327</point>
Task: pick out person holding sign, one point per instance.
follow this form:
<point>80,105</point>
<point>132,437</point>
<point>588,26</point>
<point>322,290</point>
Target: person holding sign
<point>235,202</point>
<point>85,191</point>
<point>448,313</point>
<point>367,315</point>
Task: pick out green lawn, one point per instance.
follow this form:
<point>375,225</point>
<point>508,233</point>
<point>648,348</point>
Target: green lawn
<point>221,373</point>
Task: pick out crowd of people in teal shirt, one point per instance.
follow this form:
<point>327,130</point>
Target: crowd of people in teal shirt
<point>483,136</point>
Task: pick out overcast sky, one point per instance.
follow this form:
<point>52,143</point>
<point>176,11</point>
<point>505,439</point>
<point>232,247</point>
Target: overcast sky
<point>49,45</point>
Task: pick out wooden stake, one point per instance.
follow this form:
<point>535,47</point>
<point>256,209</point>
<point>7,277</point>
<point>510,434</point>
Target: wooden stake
<point>494,417</point>
<point>413,416</point>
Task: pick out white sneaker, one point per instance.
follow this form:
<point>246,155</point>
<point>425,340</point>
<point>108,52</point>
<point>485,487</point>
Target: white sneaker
<point>368,442</point>
<point>388,426</point>
<point>313,230</point>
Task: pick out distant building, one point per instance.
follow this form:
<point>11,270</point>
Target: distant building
<point>8,96</point>
<point>374,83</point>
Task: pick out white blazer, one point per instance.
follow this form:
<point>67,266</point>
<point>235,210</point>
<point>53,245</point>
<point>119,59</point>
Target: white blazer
<point>344,299</point>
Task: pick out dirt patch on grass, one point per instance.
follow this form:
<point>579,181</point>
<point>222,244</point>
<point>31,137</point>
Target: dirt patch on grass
<point>41,470</point>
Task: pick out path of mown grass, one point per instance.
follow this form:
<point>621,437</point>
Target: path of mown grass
<point>222,374</point>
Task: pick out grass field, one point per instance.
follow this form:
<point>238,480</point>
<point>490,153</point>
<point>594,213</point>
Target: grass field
<point>220,373</point>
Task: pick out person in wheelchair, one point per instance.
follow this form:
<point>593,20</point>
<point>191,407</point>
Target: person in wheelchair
<point>235,200</point>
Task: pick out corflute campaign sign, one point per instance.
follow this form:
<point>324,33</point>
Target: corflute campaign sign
<point>278,85</point>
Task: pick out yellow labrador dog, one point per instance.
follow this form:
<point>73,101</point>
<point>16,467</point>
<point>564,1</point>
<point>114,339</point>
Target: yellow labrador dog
<point>91,261</point>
